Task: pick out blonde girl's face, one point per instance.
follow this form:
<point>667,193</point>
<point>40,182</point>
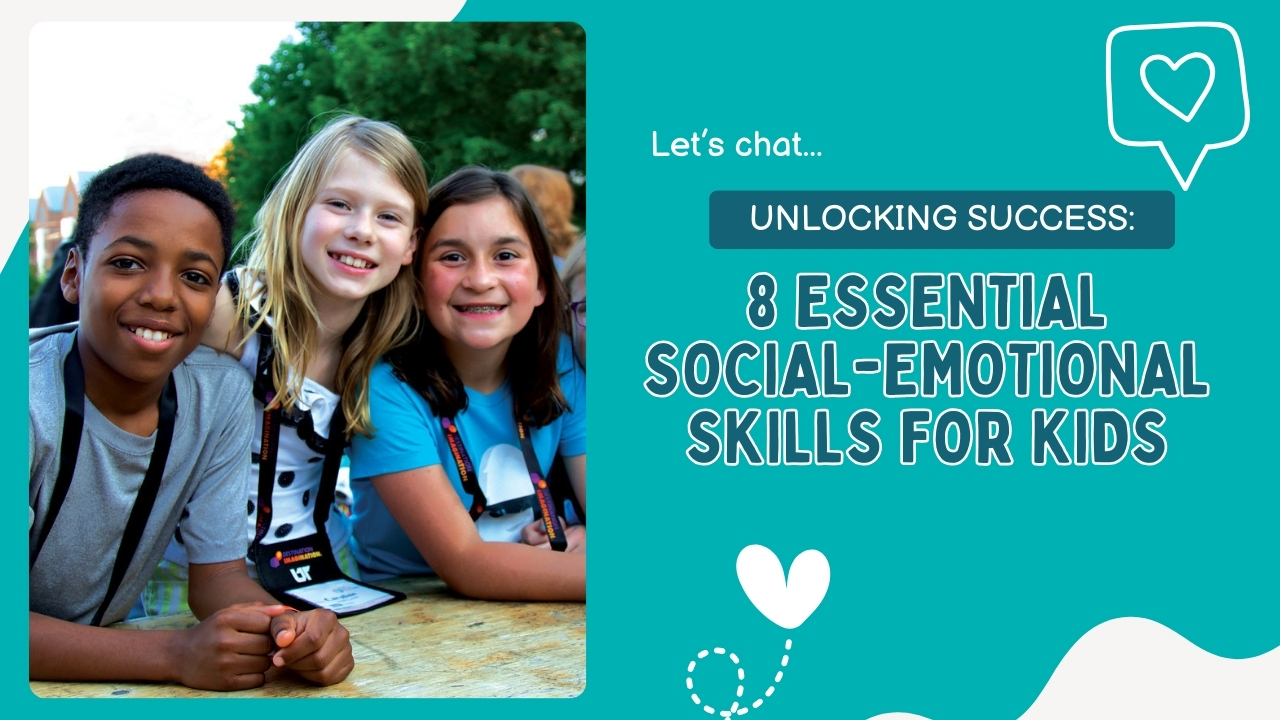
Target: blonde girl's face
<point>358,231</point>
<point>479,277</point>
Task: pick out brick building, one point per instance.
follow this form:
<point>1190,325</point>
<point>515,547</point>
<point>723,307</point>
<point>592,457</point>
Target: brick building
<point>53,218</point>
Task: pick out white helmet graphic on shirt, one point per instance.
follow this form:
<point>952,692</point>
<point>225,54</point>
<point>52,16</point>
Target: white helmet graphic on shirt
<point>508,494</point>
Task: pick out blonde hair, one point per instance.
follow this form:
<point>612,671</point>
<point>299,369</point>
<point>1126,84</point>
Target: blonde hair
<point>387,320</point>
<point>550,190</point>
<point>575,264</point>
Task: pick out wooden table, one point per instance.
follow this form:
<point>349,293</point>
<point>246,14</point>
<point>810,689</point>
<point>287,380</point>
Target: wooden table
<point>434,644</point>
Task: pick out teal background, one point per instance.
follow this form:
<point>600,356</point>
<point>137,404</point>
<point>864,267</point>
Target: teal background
<point>955,590</point>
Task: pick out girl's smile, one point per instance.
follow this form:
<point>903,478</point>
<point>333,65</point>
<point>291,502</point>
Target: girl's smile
<point>358,231</point>
<point>353,264</point>
<point>480,310</point>
<point>480,280</point>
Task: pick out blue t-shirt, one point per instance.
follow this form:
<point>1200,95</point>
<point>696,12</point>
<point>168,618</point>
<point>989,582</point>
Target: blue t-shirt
<point>408,436</point>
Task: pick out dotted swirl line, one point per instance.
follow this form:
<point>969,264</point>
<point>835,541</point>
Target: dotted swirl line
<point>736,708</point>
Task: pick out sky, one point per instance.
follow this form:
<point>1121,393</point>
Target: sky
<point>101,92</point>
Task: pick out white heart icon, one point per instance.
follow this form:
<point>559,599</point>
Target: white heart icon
<point>1142,71</point>
<point>787,600</point>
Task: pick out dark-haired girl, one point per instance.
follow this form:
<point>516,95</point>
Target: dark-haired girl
<point>468,418</point>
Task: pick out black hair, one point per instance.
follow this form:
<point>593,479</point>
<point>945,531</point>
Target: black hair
<point>534,351</point>
<point>151,172</point>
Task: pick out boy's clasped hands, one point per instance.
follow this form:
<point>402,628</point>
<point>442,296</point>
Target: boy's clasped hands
<point>233,648</point>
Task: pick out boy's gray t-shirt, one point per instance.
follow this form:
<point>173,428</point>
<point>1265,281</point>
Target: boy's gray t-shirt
<point>202,492</point>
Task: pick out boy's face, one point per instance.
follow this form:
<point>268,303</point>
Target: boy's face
<point>146,290</point>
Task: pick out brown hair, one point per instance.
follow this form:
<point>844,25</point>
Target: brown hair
<point>550,190</point>
<point>532,357</point>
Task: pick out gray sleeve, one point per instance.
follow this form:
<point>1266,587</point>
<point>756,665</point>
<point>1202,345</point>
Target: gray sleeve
<point>213,525</point>
<point>31,453</point>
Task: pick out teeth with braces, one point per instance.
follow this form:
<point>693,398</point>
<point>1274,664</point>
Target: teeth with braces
<point>482,309</point>
<point>154,335</point>
<point>354,262</point>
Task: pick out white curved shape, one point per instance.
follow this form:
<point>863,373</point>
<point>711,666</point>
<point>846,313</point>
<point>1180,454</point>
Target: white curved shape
<point>1134,668</point>
<point>1137,668</point>
<point>440,10</point>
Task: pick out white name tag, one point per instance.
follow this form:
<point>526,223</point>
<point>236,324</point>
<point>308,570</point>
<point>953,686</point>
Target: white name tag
<point>340,596</point>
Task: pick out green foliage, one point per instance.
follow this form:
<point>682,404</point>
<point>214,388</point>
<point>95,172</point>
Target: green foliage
<point>495,94</point>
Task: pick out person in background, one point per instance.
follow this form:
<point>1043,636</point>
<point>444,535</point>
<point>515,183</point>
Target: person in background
<point>574,277</point>
<point>48,307</point>
<point>551,192</point>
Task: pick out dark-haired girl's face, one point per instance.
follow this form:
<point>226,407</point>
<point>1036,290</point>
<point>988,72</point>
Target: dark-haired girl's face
<point>480,278</point>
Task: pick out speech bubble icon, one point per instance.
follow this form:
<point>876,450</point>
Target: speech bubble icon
<point>1173,86</point>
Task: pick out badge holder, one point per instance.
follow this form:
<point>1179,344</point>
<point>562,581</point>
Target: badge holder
<point>302,572</point>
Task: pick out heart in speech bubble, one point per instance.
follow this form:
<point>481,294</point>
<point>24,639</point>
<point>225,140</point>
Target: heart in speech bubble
<point>787,600</point>
<point>1186,117</point>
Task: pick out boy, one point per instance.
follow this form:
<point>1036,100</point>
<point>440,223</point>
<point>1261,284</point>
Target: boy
<point>135,429</point>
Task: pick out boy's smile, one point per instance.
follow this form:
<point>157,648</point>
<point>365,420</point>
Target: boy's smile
<point>146,290</point>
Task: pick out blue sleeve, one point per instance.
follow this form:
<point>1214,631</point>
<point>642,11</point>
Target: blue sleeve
<point>402,437</point>
<point>573,383</point>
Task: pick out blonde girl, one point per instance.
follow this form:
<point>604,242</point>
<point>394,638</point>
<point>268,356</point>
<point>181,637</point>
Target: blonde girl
<point>325,292</point>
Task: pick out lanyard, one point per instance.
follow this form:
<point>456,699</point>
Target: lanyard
<point>301,571</point>
<point>72,428</point>
<point>471,485</point>
<point>304,570</point>
<point>328,474</point>
<point>271,426</point>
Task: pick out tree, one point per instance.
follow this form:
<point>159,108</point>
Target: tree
<point>496,94</point>
<point>273,128</point>
<point>217,166</point>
